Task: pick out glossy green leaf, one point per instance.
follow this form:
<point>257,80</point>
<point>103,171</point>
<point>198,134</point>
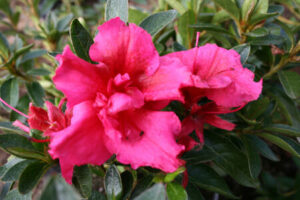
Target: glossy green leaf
<point>206,178</point>
<point>260,32</point>
<point>82,179</point>
<point>257,108</point>
<point>247,9</point>
<point>262,16</point>
<point>267,40</point>
<point>230,7</point>
<point>63,23</point>
<point>290,81</point>
<point>283,128</point>
<point>15,195</point>
<point>32,55</point>
<point>280,143</point>
<point>254,161</point>
<point>39,72</point>
<point>19,146</point>
<point>81,40</point>
<point>5,7</point>
<point>116,8</point>
<point>210,27</point>
<point>176,192</point>
<point>195,157</point>
<point>58,189</point>
<point>31,176</point>
<point>244,51</point>
<point>8,127</point>
<point>184,29</point>
<point>136,16</point>
<point>127,182</point>
<point>142,185</point>
<point>36,93</point>
<point>177,6</point>
<point>156,22</point>
<point>156,192</point>
<point>11,161</point>
<point>10,92</point>
<point>22,106</point>
<point>292,142</point>
<point>193,192</point>
<point>261,6</point>
<point>262,147</point>
<point>230,159</point>
<point>14,172</point>
<point>96,196</point>
<point>113,183</point>
<point>4,46</point>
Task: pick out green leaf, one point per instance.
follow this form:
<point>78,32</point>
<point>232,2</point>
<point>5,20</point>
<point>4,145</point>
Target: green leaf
<point>210,27</point>
<point>63,23</point>
<point>36,93</point>
<point>244,51</point>
<point>176,192</point>
<point>261,6</point>
<point>82,179</point>
<point>31,176</point>
<point>280,143</point>
<point>116,8</point>
<point>247,9</point>
<point>58,189</point>
<point>262,16</point>
<point>178,47</point>
<point>193,192</point>
<point>19,146</point>
<point>39,72</point>
<point>253,157</point>
<point>136,16</point>
<point>113,183</point>
<point>293,143</point>
<point>81,40</point>
<point>10,92</point>
<point>5,189</point>
<point>283,128</point>
<point>195,157</point>
<point>5,7</point>
<point>262,147</point>
<point>142,184</point>
<point>267,40</point>
<point>184,29</point>
<point>14,172</point>
<point>22,106</point>
<point>259,32</point>
<point>230,7</point>
<point>230,159</point>
<point>207,179</point>
<point>156,22</point>
<point>7,126</point>
<point>177,6</point>
<point>15,195</point>
<point>156,192</point>
<point>257,108</point>
<point>32,55</point>
<point>4,46</point>
<point>95,196</point>
<point>127,182</point>
<point>290,81</point>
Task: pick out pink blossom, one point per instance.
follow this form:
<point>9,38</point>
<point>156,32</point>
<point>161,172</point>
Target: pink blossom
<point>217,73</point>
<point>114,102</point>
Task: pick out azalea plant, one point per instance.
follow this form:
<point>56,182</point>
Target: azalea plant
<point>195,99</point>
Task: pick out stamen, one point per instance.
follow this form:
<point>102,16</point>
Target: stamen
<point>197,39</point>
<point>20,125</point>
<point>14,109</point>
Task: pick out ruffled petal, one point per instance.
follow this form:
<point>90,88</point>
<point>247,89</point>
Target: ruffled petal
<point>147,138</point>
<point>78,79</point>
<point>56,117</point>
<point>38,118</point>
<point>81,143</point>
<point>166,82</point>
<point>125,49</point>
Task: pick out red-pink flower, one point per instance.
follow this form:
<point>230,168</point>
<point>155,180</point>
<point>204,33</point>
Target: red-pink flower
<point>217,73</point>
<point>113,102</point>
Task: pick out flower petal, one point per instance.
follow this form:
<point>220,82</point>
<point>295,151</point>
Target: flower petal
<point>78,79</point>
<point>38,118</point>
<point>81,143</point>
<point>165,83</point>
<point>125,49</point>
<point>152,140</point>
<point>218,122</point>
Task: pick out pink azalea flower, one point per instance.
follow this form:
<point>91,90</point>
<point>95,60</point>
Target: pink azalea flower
<point>218,74</point>
<point>114,102</point>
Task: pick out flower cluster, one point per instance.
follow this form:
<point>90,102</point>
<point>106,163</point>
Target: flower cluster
<point>114,107</point>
